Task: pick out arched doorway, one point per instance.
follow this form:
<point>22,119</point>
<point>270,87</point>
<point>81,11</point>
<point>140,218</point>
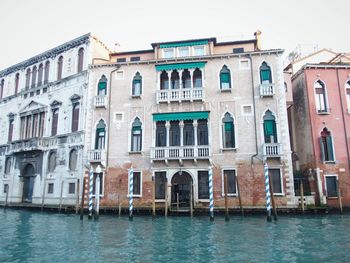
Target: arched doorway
<point>28,175</point>
<point>181,184</point>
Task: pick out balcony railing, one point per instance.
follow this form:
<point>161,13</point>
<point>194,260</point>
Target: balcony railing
<point>97,156</point>
<point>267,90</point>
<point>180,152</point>
<point>178,95</point>
<point>100,101</point>
<point>26,145</point>
<point>272,149</point>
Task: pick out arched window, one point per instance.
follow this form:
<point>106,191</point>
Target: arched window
<point>102,86</point>
<point>80,59</point>
<point>225,78</point>
<point>270,131</point>
<point>75,116</point>
<point>186,79</point>
<point>28,73</point>
<point>73,157</point>
<point>228,131</point>
<point>164,80</point>
<point>137,85</point>
<point>10,132</point>
<point>34,73</point>
<point>160,134</point>
<point>16,83</point>
<point>174,133</point>
<point>8,165</point>
<point>347,93</point>
<point>100,135</point>
<point>265,74</point>
<point>2,83</point>
<point>326,143</point>
<point>136,136</point>
<point>175,79</point>
<point>202,132</point>
<point>59,68</point>
<point>188,133</point>
<point>40,74</point>
<point>320,96</point>
<point>52,162</point>
<point>54,122</point>
<point>47,72</point>
<point>197,78</point>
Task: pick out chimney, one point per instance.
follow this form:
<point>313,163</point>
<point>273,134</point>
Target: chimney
<point>257,35</point>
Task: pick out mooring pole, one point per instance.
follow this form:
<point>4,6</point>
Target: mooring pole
<point>97,196</point>
<point>119,205</point>
<point>239,197</point>
<point>153,196</point>
<point>226,204</point>
<point>83,198</point>
<point>7,195</point>
<point>191,199</point>
<point>61,196</point>
<point>166,198</point>
<point>131,192</point>
<point>91,180</point>
<point>77,205</point>
<point>273,201</point>
<point>302,196</point>
<point>339,197</point>
<point>211,196</point>
<point>267,191</point>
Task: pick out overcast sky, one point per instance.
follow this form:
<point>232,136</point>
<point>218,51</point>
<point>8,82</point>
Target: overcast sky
<point>29,27</point>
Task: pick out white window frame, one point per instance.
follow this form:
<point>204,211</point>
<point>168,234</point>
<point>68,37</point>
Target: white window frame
<point>223,181</point>
<point>325,184</point>
<point>154,176</point>
<point>326,103</point>
<point>241,64</point>
<point>115,119</point>
<point>183,48</point>
<point>198,47</point>
<point>247,114</point>
<point>75,188</point>
<point>221,132</point>
<point>347,87</point>
<point>281,180</point>
<point>169,49</point>
<point>120,72</point>
<point>219,81</point>
<point>103,185</point>
<point>53,190</point>
<point>132,83</point>
<point>271,70</point>
<point>140,195</point>
<point>203,200</point>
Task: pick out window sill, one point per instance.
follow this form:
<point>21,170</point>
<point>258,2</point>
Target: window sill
<point>229,195</point>
<point>134,196</point>
<point>226,90</point>
<point>136,96</point>
<point>329,162</point>
<point>321,112</point>
<point>203,200</point>
<point>332,197</point>
<point>159,200</point>
<point>139,152</point>
<point>228,149</point>
<point>278,194</point>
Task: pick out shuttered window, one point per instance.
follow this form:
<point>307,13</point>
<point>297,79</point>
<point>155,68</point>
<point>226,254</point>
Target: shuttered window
<point>59,68</point>
<point>276,183</point>
<point>225,78</point>
<point>331,186</point>
<point>80,60</point>
<point>161,184</point>
<point>231,181</point>
<point>228,131</point>
<point>75,117</point>
<point>47,72</point>
<point>54,122</point>
<point>10,131</point>
<point>326,146</point>
<point>203,185</point>
<point>265,73</point>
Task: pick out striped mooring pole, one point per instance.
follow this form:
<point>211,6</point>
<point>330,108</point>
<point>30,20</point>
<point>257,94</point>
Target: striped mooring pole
<point>211,198</point>
<point>267,190</point>
<point>91,180</point>
<point>131,191</point>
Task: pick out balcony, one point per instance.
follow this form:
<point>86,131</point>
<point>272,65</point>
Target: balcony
<point>179,95</point>
<point>180,152</point>
<point>97,156</point>
<point>100,101</point>
<point>26,145</point>
<point>272,150</point>
<point>267,90</point>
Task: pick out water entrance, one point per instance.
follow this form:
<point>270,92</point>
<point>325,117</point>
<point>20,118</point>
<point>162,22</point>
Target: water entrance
<point>28,183</point>
<point>181,190</point>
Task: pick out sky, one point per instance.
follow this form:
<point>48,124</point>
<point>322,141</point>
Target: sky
<point>30,27</point>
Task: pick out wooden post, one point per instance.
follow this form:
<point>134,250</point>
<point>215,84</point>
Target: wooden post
<point>226,204</point>
<point>302,196</point>
<point>339,197</point>
<point>191,199</point>
<point>44,191</point>
<point>77,205</point>
<point>61,196</point>
<point>119,205</point>
<point>97,196</point>
<point>239,197</point>
<point>177,201</point>
<point>153,196</point>
<point>166,198</point>
<point>7,195</point>
<point>272,200</point>
<point>83,199</point>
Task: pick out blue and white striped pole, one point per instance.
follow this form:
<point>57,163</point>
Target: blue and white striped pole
<point>211,198</point>
<point>90,192</point>
<point>267,190</point>
<point>131,191</point>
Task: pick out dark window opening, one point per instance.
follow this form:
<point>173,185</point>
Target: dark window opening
<point>203,185</point>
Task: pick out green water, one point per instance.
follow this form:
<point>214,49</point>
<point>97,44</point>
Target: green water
<point>44,237</point>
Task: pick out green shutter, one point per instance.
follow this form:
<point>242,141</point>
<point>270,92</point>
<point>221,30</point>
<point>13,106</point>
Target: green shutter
<point>322,149</point>
<point>330,148</point>
<point>225,77</point>
<point>184,44</point>
<point>180,66</point>
<point>228,126</point>
<point>179,116</point>
<point>102,85</point>
<point>265,75</point>
<point>269,127</point>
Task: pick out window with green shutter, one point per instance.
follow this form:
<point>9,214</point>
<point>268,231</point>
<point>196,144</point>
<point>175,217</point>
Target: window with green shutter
<point>225,78</point>
<point>265,73</point>
<point>228,131</point>
<point>102,86</point>
<point>137,85</point>
<point>326,145</point>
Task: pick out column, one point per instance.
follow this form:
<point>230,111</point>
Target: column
<point>191,73</point>
<point>167,126</point>
<point>195,126</point>
<point>181,124</point>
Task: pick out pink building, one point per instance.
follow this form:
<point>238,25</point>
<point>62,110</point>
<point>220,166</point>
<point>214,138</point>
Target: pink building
<point>321,131</point>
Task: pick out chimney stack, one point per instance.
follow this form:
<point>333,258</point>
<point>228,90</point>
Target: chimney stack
<point>257,35</point>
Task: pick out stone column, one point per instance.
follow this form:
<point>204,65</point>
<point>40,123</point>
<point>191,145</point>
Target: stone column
<point>181,124</point>
<point>195,127</point>
<point>167,126</point>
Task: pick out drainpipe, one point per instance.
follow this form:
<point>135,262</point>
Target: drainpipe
<point>342,111</point>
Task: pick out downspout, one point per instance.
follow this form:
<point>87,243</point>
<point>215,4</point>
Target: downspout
<point>342,111</point>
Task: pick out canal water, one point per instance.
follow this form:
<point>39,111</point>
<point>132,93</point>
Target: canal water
<point>27,236</point>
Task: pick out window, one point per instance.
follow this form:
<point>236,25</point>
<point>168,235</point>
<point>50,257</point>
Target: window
<point>40,74</point>
<point>231,182</point>
<point>94,183</point>
<point>28,73</point>
<point>203,185</point>
<point>6,188</point>
<point>183,52</point>
<point>188,133</point>
<point>265,74</point>
<point>202,132</point>
<point>118,117</point>
<point>102,86</point>
<point>71,188</point>
<point>225,78</point>
<point>197,78</point>
<point>52,162</point>
<point>244,64</point>
<point>34,73</point>
<point>270,131</point>
<point>186,79</point>
<point>137,184</point>
<point>80,59</point>
<point>174,133</point>
<point>326,144</point>
<point>54,122</point>
<point>276,183</point>
<point>160,134</point>
<point>135,59</point>
<point>238,50</point>
<point>175,80</point>
<point>331,185</point>
<point>168,53</point>
<point>247,110</point>
<point>228,131</point>
<point>10,132</point>
<point>198,51</point>
<point>75,117</point>
<point>73,157</point>
<point>32,125</point>
<point>320,97</point>
<point>120,60</point>
<point>347,94</point>
<point>161,184</point>
<point>8,165</point>
<point>164,80</point>
<point>47,72</point>
<point>16,83</point>
<point>2,88</point>
<point>100,135</point>
<point>119,74</point>
<point>136,136</point>
<point>137,85</point>
<point>50,188</point>
<point>59,67</point>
